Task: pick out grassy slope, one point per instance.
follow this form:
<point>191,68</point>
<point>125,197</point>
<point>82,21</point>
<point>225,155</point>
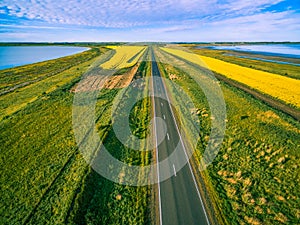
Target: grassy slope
<point>35,72</point>
<point>44,178</point>
<point>36,144</point>
<point>98,201</point>
<point>254,177</point>
<point>39,131</point>
<point>42,79</point>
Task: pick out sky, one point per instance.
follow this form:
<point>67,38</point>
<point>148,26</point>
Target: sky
<point>149,20</point>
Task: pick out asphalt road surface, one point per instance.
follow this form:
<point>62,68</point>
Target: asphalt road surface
<point>179,198</point>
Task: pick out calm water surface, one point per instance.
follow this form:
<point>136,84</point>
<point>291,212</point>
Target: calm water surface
<point>12,56</point>
<point>285,50</point>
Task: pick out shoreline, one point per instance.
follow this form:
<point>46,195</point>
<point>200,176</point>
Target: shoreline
<point>263,59</point>
<point>43,58</point>
<point>249,50</point>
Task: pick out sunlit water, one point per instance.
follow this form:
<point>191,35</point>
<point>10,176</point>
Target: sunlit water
<point>285,50</point>
<point>12,56</point>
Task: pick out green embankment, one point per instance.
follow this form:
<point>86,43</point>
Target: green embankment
<point>44,178</point>
<point>24,75</point>
<point>103,202</point>
<point>40,79</point>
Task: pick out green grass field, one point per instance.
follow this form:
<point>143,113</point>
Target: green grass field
<point>45,180</point>
<point>24,75</point>
<point>254,179</point>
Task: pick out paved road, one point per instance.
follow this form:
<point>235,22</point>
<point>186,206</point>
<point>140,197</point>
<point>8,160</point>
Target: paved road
<point>179,199</point>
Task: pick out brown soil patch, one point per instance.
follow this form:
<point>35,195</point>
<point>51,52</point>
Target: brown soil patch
<point>173,76</point>
<point>90,83</point>
<point>281,218</point>
<point>94,83</point>
<point>252,220</point>
<point>121,81</point>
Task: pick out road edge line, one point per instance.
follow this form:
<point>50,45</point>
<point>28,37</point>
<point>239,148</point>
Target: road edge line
<point>194,179</point>
<point>157,162</point>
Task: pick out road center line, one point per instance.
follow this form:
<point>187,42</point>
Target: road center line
<point>161,104</point>
<point>164,117</point>
<point>156,147</point>
<point>174,170</point>
<point>168,136</point>
<point>187,158</point>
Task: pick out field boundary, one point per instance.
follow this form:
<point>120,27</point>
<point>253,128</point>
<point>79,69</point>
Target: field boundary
<point>265,98</point>
<point>262,97</point>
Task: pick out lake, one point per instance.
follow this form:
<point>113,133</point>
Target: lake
<point>284,50</point>
<point>265,60</point>
<point>12,56</point>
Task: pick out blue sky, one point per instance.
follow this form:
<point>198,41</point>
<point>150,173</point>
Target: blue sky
<point>149,20</point>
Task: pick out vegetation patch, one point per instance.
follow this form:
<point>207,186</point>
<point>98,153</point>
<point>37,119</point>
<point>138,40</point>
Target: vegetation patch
<point>123,55</point>
<point>279,87</point>
<point>254,177</point>
<point>18,77</point>
<point>47,180</point>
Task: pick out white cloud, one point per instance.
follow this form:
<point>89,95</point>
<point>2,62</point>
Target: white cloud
<point>249,5</point>
<point>31,27</point>
<point>258,18</point>
<point>127,13</point>
<point>147,19</point>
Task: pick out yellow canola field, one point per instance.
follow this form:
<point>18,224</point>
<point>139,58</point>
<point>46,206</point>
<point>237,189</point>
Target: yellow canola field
<point>111,46</point>
<point>281,87</point>
<point>123,56</point>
